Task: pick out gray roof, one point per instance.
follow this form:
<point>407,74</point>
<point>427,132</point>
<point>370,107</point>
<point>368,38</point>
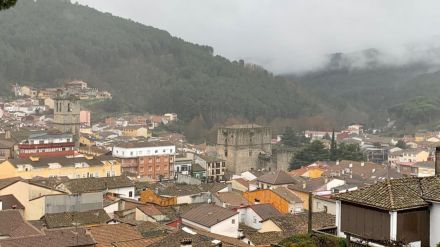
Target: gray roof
<point>63,161</point>
<point>197,168</point>
<point>45,135</point>
<point>82,185</point>
<point>265,211</point>
<point>209,158</point>
<point>287,194</point>
<point>68,219</point>
<point>208,215</point>
<point>9,181</point>
<point>7,143</point>
<point>276,178</point>
<point>140,144</point>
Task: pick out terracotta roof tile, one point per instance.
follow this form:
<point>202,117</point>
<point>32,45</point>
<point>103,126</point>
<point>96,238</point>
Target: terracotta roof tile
<point>10,202</point>
<point>149,210</point>
<point>67,219</point>
<point>298,223</point>
<point>65,237</point>
<point>82,185</point>
<point>394,194</point>
<point>12,224</point>
<point>105,235</point>
<point>143,242</point>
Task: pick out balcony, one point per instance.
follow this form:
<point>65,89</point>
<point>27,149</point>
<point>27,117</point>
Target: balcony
<point>46,145</point>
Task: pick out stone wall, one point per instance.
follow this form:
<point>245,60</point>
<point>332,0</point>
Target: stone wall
<point>241,146</point>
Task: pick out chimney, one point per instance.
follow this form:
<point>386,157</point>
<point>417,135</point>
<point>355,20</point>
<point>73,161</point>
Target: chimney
<point>7,134</point>
<point>437,161</point>
<point>186,242</point>
<point>362,163</point>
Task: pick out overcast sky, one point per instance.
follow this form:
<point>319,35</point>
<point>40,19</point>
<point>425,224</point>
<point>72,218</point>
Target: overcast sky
<point>289,35</point>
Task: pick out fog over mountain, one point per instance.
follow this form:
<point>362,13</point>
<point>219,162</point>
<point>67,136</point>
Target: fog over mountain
<point>288,36</point>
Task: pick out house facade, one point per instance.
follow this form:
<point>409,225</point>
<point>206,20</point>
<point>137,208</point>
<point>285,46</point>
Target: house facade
<point>147,159</point>
<point>47,145</point>
<point>78,167</point>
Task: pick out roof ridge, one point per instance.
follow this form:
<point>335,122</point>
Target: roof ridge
<point>278,174</point>
<point>390,191</point>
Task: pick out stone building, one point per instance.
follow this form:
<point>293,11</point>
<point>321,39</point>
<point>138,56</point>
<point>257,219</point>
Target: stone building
<point>244,146</point>
<point>67,115</point>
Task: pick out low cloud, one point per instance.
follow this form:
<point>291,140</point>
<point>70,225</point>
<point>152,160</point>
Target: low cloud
<point>293,35</point>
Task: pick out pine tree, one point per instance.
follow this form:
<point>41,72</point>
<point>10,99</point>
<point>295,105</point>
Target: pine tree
<point>333,148</point>
<point>6,4</point>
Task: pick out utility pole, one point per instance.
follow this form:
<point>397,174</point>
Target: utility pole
<point>310,213</point>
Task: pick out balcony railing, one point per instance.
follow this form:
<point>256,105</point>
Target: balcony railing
<point>46,145</point>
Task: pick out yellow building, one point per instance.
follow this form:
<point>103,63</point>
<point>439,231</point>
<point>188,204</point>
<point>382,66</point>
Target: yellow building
<point>49,103</point>
<point>87,140</point>
<point>148,196</point>
<point>28,91</point>
<point>25,193</point>
<point>136,131</point>
<point>267,196</point>
<point>78,167</point>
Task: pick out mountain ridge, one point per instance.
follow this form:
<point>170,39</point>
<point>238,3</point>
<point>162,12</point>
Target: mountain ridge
<point>48,42</point>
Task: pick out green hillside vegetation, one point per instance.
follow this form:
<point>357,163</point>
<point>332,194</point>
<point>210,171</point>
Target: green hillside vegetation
<point>47,42</point>
<point>372,94</point>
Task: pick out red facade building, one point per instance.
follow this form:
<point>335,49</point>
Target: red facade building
<point>47,145</point>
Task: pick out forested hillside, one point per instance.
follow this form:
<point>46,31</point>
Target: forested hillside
<point>374,92</point>
<point>47,42</point>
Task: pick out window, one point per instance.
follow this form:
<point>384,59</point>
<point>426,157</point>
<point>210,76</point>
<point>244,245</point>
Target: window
<point>226,153</point>
<point>130,194</point>
<point>233,221</point>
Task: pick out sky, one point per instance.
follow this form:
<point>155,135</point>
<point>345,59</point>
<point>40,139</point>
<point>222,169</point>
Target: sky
<point>287,36</point>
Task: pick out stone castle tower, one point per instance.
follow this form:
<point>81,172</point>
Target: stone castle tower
<point>66,115</point>
<point>242,146</point>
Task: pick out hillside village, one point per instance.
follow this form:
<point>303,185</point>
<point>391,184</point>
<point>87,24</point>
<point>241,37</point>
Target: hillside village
<point>120,182</point>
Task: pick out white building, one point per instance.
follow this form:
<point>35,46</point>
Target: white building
<point>141,149</point>
<point>254,215</point>
<point>214,219</point>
